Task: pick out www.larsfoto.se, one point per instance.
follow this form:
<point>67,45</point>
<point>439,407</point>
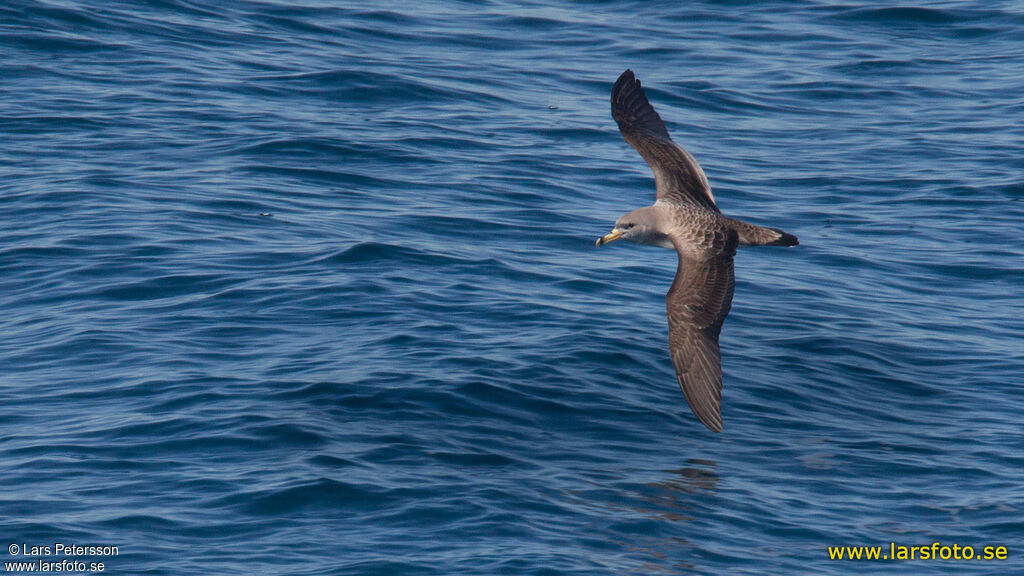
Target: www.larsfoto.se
<point>933,551</point>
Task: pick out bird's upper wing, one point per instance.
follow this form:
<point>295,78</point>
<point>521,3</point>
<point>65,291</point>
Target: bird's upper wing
<point>677,175</point>
<point>697,304</point>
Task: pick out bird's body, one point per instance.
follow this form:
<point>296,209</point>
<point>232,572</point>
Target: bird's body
<point>686,218</point>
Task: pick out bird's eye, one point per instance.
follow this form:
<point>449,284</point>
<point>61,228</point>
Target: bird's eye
<point>628,226</point>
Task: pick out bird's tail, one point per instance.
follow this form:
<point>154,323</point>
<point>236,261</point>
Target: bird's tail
<point>752,235</point>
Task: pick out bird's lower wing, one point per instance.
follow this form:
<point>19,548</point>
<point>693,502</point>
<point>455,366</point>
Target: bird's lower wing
<point>697,304</point>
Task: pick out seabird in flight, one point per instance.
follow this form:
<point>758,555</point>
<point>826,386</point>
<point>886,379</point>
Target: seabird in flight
<point>685,218</point>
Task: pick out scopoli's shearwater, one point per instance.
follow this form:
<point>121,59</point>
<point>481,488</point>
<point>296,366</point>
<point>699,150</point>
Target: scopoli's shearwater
<point>685,218</point>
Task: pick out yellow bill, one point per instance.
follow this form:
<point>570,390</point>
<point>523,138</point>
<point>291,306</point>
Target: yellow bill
<point>612,236</point>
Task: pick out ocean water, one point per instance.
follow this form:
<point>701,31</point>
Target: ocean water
<point>311,287</point>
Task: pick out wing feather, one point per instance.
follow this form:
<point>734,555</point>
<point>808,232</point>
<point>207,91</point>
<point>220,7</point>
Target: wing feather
<point>677,176</point>
<point>697,304</point>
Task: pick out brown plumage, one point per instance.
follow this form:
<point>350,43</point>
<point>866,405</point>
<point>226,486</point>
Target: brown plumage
<point>685,217</point>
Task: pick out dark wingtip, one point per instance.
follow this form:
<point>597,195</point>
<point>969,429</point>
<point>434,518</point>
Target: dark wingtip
<point>626,80</point>
<point>631,109</point>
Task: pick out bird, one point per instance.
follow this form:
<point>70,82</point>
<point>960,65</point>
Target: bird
<point>686,218</point>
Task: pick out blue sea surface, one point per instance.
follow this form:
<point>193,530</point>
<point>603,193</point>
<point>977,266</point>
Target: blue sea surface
<point>311,287</point>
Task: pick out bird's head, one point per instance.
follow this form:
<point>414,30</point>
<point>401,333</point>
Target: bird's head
<point>640,226</point>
